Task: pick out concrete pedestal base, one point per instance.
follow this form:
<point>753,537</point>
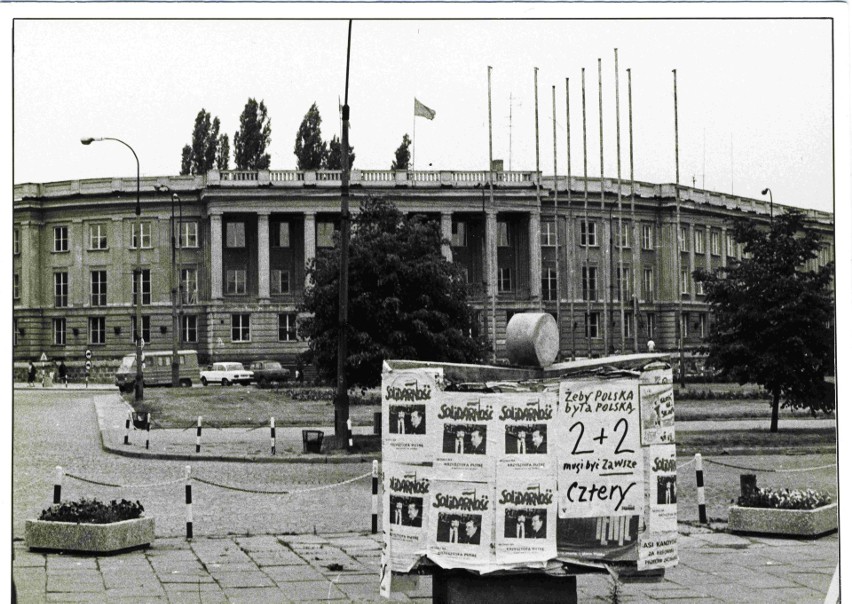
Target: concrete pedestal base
<point>95,538</point>
<point>794,523</point>
<point>462,587</point>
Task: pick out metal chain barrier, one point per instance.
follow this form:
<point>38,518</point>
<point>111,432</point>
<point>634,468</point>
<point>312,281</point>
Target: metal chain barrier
<point>771,470</point>
<point>122,486</point>
<point>296,492</point>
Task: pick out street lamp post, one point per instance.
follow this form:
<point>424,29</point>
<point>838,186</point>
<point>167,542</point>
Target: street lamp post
<point>137,271</point>
<point>771,213</point>
<point>176,282</point>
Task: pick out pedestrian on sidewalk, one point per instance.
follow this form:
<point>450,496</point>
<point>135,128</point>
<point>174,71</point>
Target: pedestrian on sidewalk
<point>31,375</point>
<point>63,373</point>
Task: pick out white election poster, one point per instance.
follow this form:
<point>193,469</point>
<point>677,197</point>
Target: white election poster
<point>527,421</point>
<point>526,511</point>
<point>406,497</point>
<point>662,465</point>
<point>461,524</point>
<point>657,551</point>
<point>656,402</point>
<point>600,468</point>
<point>466,444</point>
<point>407,396</point>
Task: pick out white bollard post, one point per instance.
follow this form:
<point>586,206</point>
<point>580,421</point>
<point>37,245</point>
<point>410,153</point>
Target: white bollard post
<point>349,431</point>
<point>127,429</point>
<point>148,431</point>
<point>188,504</point>
<point>272,430</point>
<point>57,485</point>
<point>699,483</point>
<point>375,496</point>
<point>198,436</point>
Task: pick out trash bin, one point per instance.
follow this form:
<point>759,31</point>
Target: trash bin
<point>140,420</point>
<point>312,441</point>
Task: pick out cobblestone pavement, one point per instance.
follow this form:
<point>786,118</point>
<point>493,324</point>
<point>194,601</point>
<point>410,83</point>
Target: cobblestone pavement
<point>253,548</point>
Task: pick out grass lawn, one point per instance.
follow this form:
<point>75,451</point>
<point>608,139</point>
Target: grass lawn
<point>239,406</point>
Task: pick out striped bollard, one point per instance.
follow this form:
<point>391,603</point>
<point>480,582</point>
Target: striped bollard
<point>188,504</point>
<point>349,431</point>
<point>57,486</point>
<point>127,430</point>
<point>272,431</point>
<point>699,483</point>
<point>148,431</point>
<point>198,436</point>
<point>375,496</point>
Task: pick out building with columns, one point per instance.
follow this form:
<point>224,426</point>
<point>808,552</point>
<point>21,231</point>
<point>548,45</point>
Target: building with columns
<point>613,263</point>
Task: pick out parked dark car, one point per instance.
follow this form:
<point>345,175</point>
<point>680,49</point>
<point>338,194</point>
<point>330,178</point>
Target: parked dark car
<point>267,372</point>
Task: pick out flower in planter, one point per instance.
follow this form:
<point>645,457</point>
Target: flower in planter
<point>784,499</point>
<point>92,511</point>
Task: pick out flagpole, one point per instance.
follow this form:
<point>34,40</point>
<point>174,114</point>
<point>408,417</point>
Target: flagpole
<point>637,254</point>
<point>605,242</point>
<point>569,226</point>
<point>619,239</point>
<point>537,181</point>
<point>556,224</point>
<point>586,221</point>
<point>677,247</point>
<point>491,254</point>
<point>414,135</point>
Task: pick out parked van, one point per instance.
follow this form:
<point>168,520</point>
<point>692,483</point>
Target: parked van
<point>157,369</point>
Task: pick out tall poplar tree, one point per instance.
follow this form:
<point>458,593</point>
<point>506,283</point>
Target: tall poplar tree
<point>402,156</point>
<point>253,137</point>
<point>310,150</point>
<point>334,157</point>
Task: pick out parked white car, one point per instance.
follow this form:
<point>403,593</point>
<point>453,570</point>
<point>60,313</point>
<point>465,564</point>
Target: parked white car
<point>226,374</point>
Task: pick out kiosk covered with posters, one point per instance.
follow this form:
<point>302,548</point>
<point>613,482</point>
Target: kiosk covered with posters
<point>528,475</point>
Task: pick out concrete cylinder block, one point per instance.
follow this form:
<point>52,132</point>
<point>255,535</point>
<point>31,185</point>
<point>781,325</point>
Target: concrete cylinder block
<point>532,338</point>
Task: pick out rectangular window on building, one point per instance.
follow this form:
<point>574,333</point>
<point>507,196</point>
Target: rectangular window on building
<point>699,288</point>
<point>235,234</point>
<point>647,236</point>
<point>588,233</point>
<point>715,246</point>
<point>699,242</point>
<point>280,282</point>
<point>623,241</point>
<point>287,327</point>
<point>188,234</point>
<point>548,284</point>
<point>145,228</point>
<point>97,330</point>
<point>325,234</point>
<point>684,325</point>
<point>684,281</point>
<point>548,233</point>
<point>459,235</point>
<point>16,241</point>
<point>99,288</point>
<point>504,279</point>
<point>189,328</point>
<point>648,284</point>
<point>702,325</point>
<point>59,332</point>
<point>650,325</point>
<point>60,289</point>
<point>590,283</point>
<point>235,281</point>
<point>146,329</point>
<point>60,239</point>
<point>592,322</point>
<point>683,239</point>
<point>240,328</point>
<point>146,286</point>
<point>730,246</point>
<point>624,282</point>
<point>189,285</point>
<point>97,236</point>
<point>628,325</point>
<point>16,286</point>
<point>503,239</point>
<point>283,238</point>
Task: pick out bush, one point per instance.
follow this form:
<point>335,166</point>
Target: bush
<point>92,511</point>
<point>785,499</point>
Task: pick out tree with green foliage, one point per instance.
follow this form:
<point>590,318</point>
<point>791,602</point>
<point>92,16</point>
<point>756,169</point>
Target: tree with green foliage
<point>223,152</point>
<point>334,157</point>
<point>310,149</point>
<point>406,300</point>
<point>402,156</point>
<point>772,317</point>
<point>200,155</point>
<point>253,137</point>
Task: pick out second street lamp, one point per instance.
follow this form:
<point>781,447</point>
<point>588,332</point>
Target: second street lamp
<point>137,271</point>
<point>175,281</point>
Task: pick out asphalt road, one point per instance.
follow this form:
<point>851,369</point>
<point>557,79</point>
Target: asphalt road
<point>57,428</point>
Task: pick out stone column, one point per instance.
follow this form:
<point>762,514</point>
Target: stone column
<point>215,256</point>
<point>724,246</point>
<point>535,254</point>
<point>310,239</point>
<point>30,265</point>
<point>691,261</point>
<point>263,256</point>
<point>447,233</point>
<point>490,255</point>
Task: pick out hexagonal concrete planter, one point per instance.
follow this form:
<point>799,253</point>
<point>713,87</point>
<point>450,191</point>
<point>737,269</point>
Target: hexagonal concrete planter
<point>793,523</point>
<point>93,538</point>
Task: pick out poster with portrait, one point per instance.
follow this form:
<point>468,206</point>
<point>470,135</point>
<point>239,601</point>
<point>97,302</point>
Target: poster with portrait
<point>662,485</point>
<point>405,491</point>
<point>600,465</point>
<point>526,422</point>
<point>461,524</point>
<point>525,511</point>
<point>467,436</point>
<point>656,405</point>
<point>657,551</point>
<point>407,396</point>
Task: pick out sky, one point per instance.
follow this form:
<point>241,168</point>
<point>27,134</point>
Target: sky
<point>754,95</point>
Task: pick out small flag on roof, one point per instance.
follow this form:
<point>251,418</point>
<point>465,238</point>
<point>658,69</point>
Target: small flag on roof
<point>422,110</point>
